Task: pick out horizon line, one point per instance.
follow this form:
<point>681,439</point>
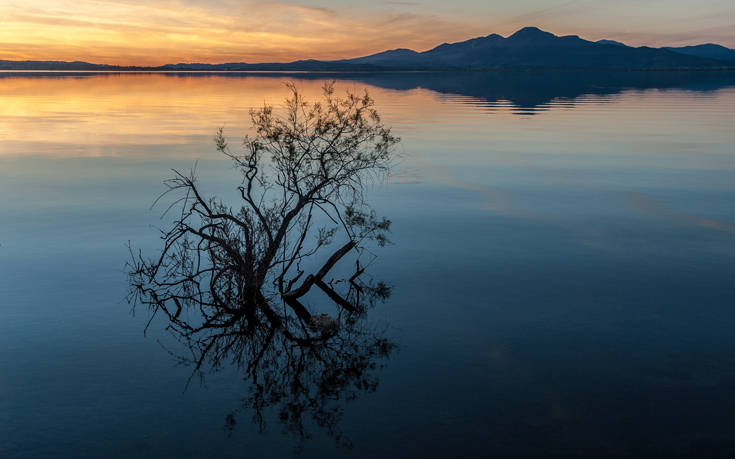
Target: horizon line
<point>308,59</point>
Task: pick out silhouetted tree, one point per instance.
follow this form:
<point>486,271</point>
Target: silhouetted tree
<point>240,273</point>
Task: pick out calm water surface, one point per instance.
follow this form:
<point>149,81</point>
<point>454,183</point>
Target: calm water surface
<point>563,269</point>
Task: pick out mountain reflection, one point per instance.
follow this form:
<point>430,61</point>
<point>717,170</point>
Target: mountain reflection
<point>530,90</point>
<point>526,92</point>
<point>172,114</point>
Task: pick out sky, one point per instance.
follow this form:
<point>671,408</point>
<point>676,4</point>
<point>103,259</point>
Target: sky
<point>154,32</point>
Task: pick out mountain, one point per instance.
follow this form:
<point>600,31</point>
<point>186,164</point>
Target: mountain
<point>610,42</point>
<point>709,51</point>
<point>309,65</point>
<point>528,49</point>
<point>389,57</point>
<point>533,48</point>
<point>54,65</point>
<point>302,65</point>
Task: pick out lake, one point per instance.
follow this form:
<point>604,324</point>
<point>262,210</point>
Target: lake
<point>562,266</point>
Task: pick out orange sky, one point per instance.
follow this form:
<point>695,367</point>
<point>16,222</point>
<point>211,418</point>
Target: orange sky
<point>169,31</point>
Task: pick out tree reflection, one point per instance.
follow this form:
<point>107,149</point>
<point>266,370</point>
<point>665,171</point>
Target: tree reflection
<point>305,379</point>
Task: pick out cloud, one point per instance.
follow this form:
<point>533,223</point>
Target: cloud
<point>151,32</point>
<point>402,3</point>
<point>543,14</point>
<point>132,32</point>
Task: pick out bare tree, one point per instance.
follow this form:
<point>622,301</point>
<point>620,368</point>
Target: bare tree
<point>313,160</point>
<point>242,272</point>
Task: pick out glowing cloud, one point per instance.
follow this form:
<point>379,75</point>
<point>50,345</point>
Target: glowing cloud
<point>215,31</point>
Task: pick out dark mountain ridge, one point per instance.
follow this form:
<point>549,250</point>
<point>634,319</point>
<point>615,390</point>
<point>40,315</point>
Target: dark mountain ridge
<point>532,48</point>
<point>527,49</point>
<point>708,50</point>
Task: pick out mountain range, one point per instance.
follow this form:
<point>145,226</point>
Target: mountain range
<point>528,49</point>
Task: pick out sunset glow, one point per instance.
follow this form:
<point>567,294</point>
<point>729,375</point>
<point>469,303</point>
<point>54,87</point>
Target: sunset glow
<point>136,32</point>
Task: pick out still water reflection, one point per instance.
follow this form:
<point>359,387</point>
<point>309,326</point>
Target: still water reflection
<point>562,267</point>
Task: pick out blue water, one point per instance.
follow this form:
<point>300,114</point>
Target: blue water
<point>563,267</point>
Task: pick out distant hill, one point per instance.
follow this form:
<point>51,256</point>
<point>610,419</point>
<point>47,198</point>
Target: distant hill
<point>532,48</point>
<point>528,49</point>
<point>709,50</point>
<point>303,65</point>
<point>309,65</point>
<point>54,65</point>
<point>610,42</point>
